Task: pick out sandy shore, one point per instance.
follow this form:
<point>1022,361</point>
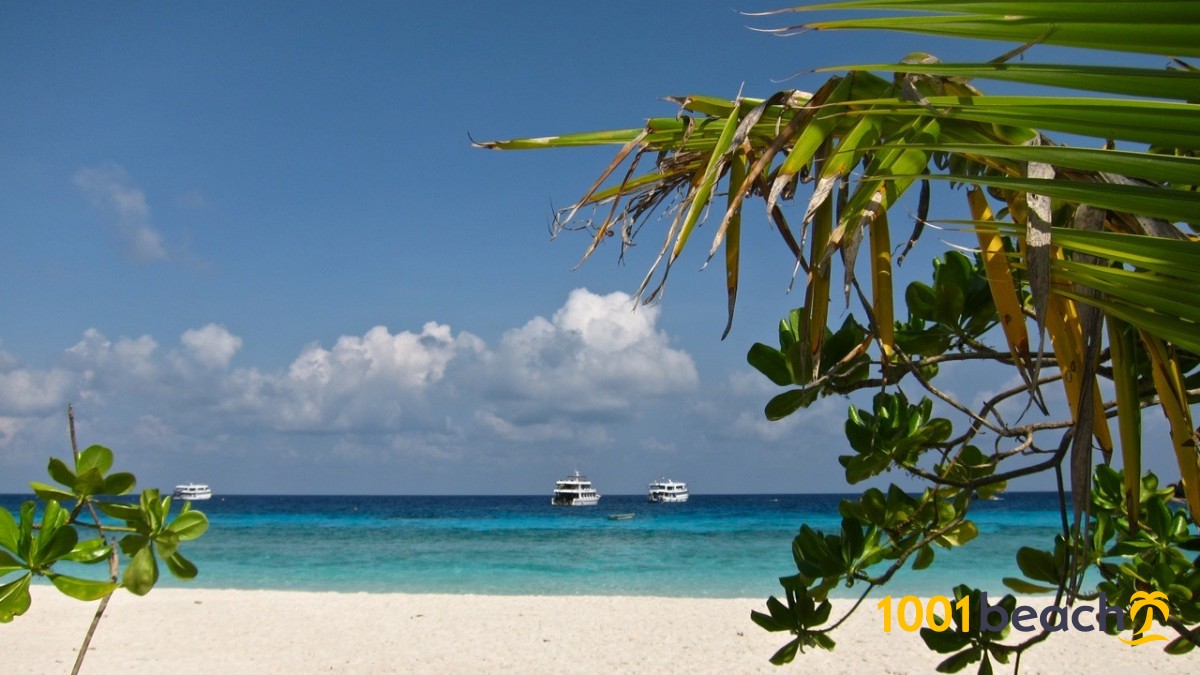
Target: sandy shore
<point>218,631</point>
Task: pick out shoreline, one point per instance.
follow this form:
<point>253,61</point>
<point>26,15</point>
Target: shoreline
<point>243,631</point>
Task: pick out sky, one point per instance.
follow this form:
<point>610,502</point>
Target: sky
<point>252,244</point>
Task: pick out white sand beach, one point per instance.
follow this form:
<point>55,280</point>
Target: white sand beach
<point>233,631</point>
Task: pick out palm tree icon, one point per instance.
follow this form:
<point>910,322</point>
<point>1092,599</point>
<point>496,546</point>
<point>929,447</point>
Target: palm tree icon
<point>1149,602</point>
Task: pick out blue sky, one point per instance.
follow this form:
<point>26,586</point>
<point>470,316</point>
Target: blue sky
<point>252,244</point>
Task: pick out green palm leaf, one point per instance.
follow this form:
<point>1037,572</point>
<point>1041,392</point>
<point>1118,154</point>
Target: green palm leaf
<point>1179,85</point>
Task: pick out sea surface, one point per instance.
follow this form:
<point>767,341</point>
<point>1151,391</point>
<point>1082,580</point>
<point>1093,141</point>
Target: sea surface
<point>713,546</point>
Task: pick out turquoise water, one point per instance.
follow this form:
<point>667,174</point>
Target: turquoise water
<point>712,546</point>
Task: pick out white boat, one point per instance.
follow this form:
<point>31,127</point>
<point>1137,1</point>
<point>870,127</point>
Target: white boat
<point>193,492</point>
<point>575,490</point>
<point>665,490</point>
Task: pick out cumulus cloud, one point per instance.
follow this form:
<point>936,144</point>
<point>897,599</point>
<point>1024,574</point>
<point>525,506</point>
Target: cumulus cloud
<point>361,383</point>
<point>594,355</point>
<point>110,190</point>
<point>212,346</point>
<point>593,361</point>
<point>25,391</point>
<point>104,368</point>
<point>429,395</point>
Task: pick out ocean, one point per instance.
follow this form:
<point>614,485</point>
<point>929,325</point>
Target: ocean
<point>713,546</point>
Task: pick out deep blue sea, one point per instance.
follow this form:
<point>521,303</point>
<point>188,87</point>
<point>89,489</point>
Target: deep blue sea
<point>713,546</point>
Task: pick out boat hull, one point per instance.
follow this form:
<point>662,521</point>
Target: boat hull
<point>668,499</point>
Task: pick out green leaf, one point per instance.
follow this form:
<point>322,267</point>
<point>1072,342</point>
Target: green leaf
<point>49,492</point>
<point>180,566</point>
<point>189,525</point>
<point>787,653</point>
<point>60,473</point>
<point>14,598</point>
<point>1022,586</point>
<point>768,623</point>
<point>1024,12</point>
<point>89,551</point>
<point>95,457</point>
<point>132,543</point>
<point>1038,565</point>
<point>9,564</point>
<point>924,558</point>
<point>948,303</point>
<point>142,572</point>
<point>89,482</point>
<point>789,402</point>
<point>699,197</point>
<point>920,299</point>
<point>944,642</point>
<point>61,542</point>
<point>780,612</point>
<point>1162,168</point>
<point>823,641</point>
<point>1149,201</point>
<point>964,532</point>
<point>151,509</point>
<point>119,483</point>
<point>45,543</point>
<point>770,362</point>
<point>126,512</point>
<point>8,531</point>
<point>1149,82</point>
<point>82,589</point>
<point>25,532</point>
<point>1033,23</point>
<point>960,660</point>
<point>1180,645</point>
<point>166,542</point>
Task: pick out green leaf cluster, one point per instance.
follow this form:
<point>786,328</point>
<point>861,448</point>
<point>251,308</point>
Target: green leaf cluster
<point>29,549</point>
<point>155,535</point>
<point>970,646</point>
<point>801,616</point>
<point>894,435</point>
<point>971,467</point>
<point>956,308</point>
<point>88,478</point>
<point>1160,552</point>
<point>841,366</point>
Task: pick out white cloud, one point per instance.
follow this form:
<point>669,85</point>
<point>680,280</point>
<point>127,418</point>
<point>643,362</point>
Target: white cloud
<point>212,346</point>
<point>595,354</point>
<point>576,380</point>
<point>26,392</point>
<point>362,383</point>
<point>547,380</point>
<point>105,367</point>
<point>110,190</point>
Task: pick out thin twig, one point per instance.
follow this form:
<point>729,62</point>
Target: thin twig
<point>112,555</point>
